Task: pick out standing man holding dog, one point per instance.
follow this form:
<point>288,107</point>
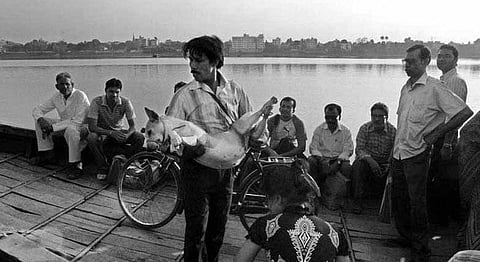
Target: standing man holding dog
<point>425,104</point>
<point>213,103</point>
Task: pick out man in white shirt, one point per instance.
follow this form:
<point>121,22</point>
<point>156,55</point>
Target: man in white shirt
<point>426,112</point>
<point>331,146</point>
<point>72,106</point>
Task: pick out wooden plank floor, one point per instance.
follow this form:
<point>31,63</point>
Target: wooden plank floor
<point>31,195</point>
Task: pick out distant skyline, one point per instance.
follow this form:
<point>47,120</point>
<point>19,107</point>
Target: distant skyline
<point>116,20</point>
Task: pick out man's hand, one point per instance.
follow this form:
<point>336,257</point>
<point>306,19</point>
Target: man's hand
<point>119,136</point>
<point>446,152</point>
<point>374,166</point>
<point>431,137</point>
<point>190,152</point>
<point>45,126</point>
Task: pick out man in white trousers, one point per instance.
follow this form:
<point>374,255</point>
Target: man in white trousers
<point>72,106</point>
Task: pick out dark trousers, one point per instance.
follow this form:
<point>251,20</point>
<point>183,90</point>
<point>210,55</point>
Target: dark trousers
<point>103,148</point>
<point>409,202</point>
<point>363,178</point>
<point>208,195</point>
<point>319,171</point>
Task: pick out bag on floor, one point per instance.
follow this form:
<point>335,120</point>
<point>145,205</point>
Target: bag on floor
<point>335,191</point>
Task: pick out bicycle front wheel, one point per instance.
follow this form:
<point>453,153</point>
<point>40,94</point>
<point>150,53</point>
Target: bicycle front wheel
<point>252,202</point>
<point>148,189</point>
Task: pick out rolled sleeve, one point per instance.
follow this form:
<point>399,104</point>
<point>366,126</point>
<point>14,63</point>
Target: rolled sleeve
<point>448,102</point>
<point>41,110</point>
<point>348,145</point>
<point>315,144</point>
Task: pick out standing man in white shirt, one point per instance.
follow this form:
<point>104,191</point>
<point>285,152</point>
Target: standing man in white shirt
<point>72,106</point>
<point>427,110</point>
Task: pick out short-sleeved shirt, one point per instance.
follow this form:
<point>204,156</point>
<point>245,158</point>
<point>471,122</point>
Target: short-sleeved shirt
<point>194,103</point>
<point>327,144</point>
<point>111,119</point>
<point>423,106</point>
<point>455,83</point>
<point>298,236</point>
<point>377,144</point>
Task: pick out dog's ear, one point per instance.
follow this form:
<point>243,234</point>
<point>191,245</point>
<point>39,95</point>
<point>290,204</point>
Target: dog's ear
<point>151,114</point>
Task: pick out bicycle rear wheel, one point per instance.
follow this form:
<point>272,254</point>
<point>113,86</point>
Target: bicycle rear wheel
<point>252,202</point>
<point>149,190</point>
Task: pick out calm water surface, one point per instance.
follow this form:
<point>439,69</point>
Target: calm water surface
<point>355,84</point>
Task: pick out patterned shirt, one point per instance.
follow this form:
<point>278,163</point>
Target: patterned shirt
<point>423,106</point>
<point>455,83</point>
<point>327,144</point>
<point>194,103</point>
<point>72,111</point>
<point>298,236</point>
<point>376,144</point>
<point>111,119</point>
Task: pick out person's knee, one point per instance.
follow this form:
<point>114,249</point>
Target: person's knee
<point>92,138</point>
<point>137,139</point>
<point>346,169</point>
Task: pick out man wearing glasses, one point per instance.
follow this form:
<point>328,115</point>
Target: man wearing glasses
<point>425,104</point>
<point>373,150</point>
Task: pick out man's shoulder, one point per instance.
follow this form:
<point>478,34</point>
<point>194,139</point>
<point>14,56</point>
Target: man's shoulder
<point>97,100</point>
<point>125,100</point>
<point>390,126</point>
<point>80,93</point>
<point>344,127</point>
<point>295,118</point>
<point>435,82</point>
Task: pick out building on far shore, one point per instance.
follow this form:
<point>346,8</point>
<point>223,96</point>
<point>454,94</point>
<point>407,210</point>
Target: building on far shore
<point>248,44</point>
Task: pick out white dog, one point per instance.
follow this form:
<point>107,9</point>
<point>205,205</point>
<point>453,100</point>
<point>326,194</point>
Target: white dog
<point>222,150</point>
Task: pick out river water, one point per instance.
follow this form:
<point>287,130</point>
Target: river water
<point>355,84</point>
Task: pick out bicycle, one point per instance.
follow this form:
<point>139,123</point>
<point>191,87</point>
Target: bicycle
<point>150,193</point>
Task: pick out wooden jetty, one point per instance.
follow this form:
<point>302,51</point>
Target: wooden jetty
<point>46,217</point>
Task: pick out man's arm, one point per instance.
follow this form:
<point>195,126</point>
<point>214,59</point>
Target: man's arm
<point>315,144</point>
<point>347,146</point>
<point>297,150</point>
<point>453,123</point>
<point>361,149</point>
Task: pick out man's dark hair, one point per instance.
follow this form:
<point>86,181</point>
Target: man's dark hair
<point>210,46</point>
<point>63,75</point>
<point>424,51</point>
<point>381,106</point>
<point>114,82</point>
<point>451,48</point>
<point>333,106</point>
<point>289,99</point>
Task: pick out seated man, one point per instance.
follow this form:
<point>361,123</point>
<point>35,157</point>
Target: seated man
<point>331,147</point>
<point>72,106</point>
<point>374,147</point>
<point>107,134</point>
<point>286,131</point>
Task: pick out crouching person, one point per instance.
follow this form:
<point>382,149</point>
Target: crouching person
<point>374,147</point>
<point>71,105</point>
<point>291,232</point>
<point>108,136</point>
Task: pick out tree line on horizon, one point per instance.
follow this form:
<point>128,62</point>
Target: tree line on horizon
<point>362,47</point>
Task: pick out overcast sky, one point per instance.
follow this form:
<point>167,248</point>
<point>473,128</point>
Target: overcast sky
<point>108,20</point>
